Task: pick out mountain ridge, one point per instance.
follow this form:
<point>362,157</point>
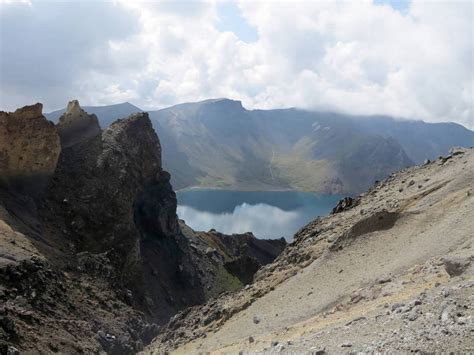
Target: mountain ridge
<point>218,143</point>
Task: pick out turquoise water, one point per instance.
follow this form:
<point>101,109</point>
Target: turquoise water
<point>267,214</point>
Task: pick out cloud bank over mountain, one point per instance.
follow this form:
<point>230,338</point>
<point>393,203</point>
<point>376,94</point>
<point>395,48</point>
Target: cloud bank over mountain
<point>353,57</point>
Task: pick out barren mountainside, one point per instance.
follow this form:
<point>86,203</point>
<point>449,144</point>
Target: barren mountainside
<point>94,259</point>
<point>219,143</point>
<point>92,255</point>
<point>390,271</point>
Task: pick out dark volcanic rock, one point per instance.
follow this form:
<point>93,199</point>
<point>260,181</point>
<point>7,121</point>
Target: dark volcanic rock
<point>344,204</point>
<point>155,208</point>
<point>99,181</point>
<point>248,253</point>
<point>75,125</point>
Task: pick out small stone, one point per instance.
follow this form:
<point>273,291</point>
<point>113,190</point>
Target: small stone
<point>383,280</point>
<point>279,347</point>
<point>397,305</point>
<point>356,320</point>
<point>445,292</point>
<point>251,339</point>
<point>12,350</point>
<point>346,345</point>
<point>256,319</point>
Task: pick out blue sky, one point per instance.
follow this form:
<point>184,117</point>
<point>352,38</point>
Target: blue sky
<point>230,19</point>
<point>399,5</point>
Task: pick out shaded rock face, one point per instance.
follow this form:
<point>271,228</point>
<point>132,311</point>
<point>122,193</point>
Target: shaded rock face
<point>29,149</point>
<point>155,209</point>
<point>98,180</point>
<point>112,193</point>
<point>248,254</point>
<point>75,125</point>
<point>108,237</point>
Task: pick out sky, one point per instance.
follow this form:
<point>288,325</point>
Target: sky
<point>403,58</point>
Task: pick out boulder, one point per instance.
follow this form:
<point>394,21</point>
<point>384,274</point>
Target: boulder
<point>456,265</point>
<point>457,151</point>
<point>344,204</point>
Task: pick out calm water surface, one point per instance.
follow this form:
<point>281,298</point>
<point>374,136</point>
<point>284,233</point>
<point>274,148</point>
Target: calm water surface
<point>268,214</point>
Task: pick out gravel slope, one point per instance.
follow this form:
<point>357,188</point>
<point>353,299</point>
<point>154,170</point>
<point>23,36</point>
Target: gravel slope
<point>376,278</point>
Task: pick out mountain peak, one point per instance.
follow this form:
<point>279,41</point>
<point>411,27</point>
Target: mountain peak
<point>223,101</point>
<point>73,107</point>
<point>30,111</point>
<point>76,125</point>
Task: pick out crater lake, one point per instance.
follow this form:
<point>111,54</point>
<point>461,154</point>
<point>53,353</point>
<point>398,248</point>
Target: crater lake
<point>267,214</point>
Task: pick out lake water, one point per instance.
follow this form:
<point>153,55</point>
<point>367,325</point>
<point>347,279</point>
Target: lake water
<point>267,214</point>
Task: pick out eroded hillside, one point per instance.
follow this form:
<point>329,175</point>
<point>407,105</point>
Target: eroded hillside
<point>389,271</point>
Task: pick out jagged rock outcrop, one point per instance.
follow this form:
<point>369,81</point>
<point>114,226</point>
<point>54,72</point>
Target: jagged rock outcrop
<point>76,125</point>
<point>29,149</point>
<point>99,181</point>
<point>101,255</point>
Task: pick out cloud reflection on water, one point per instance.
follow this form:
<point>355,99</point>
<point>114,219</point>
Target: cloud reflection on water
<point>263,220</point>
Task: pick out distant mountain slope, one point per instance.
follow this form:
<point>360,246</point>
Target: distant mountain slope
<point>218,143</point>
<point>106,114</point>
<point>420,139</point>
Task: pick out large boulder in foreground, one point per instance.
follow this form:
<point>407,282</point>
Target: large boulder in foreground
<point>29,149</point>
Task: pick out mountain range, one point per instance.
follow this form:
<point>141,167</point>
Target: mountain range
<point>219,143</point>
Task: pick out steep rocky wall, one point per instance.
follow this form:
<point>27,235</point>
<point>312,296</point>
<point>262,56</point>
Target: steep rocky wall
<point>29,149</point>
<point>97,181</point>
<point>114,255</point>
<point>76,125</point>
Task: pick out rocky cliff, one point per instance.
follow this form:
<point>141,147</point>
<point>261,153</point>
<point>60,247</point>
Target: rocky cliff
<point>29,149</point>
<point>99,259</point>
<point>76,125</point>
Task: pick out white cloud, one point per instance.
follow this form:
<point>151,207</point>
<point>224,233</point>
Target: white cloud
<point>355,57</point>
